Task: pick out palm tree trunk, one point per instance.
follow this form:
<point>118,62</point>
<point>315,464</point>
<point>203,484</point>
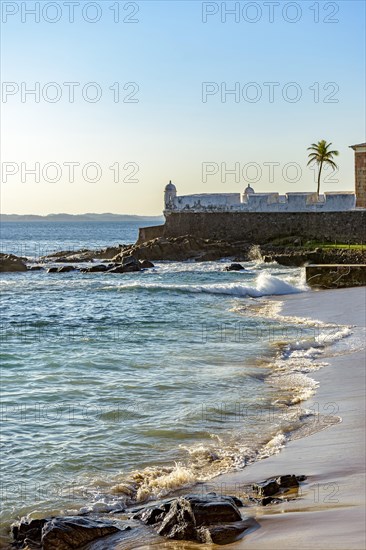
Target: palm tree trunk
<point>320,171</point>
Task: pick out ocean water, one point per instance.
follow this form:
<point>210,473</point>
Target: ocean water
<point>38,239</point>
<point>117,389</point>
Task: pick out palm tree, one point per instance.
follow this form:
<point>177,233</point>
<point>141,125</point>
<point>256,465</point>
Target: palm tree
<point>321,155</point>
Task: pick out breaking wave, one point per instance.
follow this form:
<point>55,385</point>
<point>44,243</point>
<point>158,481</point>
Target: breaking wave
<point>265,285</point>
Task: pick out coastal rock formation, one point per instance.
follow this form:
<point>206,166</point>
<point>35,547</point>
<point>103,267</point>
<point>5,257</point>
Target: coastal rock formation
<point>27,531</point>
<point>298,258</point>
<point>84,255</point>
<point>235,267</point>
<point>210,519</point>
<point>66,269</point>
<point>63,533</point>
<point>130,264</point>
<point>267,491</point>
<point>67,533</point>
<point>146,264</point>
<point>182,248</point>
<point>11,263</point>
<point>98,268</point>
<point>288,252</point>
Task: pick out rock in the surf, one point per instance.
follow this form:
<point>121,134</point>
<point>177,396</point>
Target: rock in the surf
<point>11,263</point>
<point>277,485</point>
<point>234,267</point>
<point>192,517</point>
<point>66,533</point>
<point>66,269</point>
<point>26,530</point>
<point>130,264</point>
<point>224,534</point>
<point>98,268</point>
<point>146,264</point>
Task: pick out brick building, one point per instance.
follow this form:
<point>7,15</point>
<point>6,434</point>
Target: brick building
<point>360,174</point>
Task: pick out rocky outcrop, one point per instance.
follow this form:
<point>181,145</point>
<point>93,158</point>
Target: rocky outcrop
<point>84,255</point>
<point>98,268</point>
<point>273,490</point>
<point>63,533</point>
<point>11,263</point>
<point>183,248</point>
<point>128,264</point>
<point>187,247</point>
<point>235,267</point>
<point>210,519</point>
<point>298,258</point>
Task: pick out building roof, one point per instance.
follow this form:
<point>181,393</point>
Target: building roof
<point>358,145</point>
<point>170,187</point>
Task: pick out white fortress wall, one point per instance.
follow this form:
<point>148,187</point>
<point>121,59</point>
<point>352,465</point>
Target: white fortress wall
<point>266,202</point>
<point>208,200</point>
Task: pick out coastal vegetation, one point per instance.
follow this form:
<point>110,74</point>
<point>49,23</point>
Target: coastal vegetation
<point>321,154</point>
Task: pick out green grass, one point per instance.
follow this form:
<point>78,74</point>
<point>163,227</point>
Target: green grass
<point>336,245</point>
<point>289,242</point>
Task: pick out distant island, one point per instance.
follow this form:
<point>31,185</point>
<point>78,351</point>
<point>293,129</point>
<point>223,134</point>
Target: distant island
<point>107,217</point>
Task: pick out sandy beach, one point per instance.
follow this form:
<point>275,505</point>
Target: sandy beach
<point>330,513</point>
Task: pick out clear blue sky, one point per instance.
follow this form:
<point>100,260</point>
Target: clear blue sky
<point>170,131</point>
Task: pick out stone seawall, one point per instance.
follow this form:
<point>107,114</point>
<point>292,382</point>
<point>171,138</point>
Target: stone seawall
<point>261,227</point>
<point>151,232</point>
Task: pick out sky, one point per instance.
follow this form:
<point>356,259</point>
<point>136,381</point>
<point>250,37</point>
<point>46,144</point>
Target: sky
<point>211,95</point>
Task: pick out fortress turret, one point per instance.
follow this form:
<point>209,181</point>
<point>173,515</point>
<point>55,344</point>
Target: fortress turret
<point>249,190</point>
<point>169,196</point>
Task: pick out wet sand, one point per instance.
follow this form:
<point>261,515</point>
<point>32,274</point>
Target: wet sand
<point>330,512</point>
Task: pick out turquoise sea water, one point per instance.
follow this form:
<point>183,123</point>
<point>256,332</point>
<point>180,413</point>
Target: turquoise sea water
<point>121,388</point>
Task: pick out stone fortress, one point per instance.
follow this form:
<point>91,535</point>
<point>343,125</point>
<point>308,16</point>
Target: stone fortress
<point>261,217</point>
<point>250,201</point>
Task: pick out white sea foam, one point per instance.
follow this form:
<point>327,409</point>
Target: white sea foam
<point>265,285</point>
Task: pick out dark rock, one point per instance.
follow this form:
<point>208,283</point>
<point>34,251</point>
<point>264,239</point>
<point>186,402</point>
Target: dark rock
<point>35,268</point>
<point>99,268</point>
<point>223,534</point>
<point>235,267</point>
<point>268,500</point>
<point>266,488</point>
<point>27,530</point>
<point>130,264</point>
<point>146,264</point>
<point>52,270</point>
<point>187,514</point>
<point>179,523</point>
<point>117,269</point>
<point>301,478</point>
<point>11,263</point>
<point>287,481</point>
<point>233,499</point>
<point>215,509</point>
<point>66,269</point>
<point>151,515</point>
<point>274,486</point>
<point>69,533</point>
<point>237,501</point>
